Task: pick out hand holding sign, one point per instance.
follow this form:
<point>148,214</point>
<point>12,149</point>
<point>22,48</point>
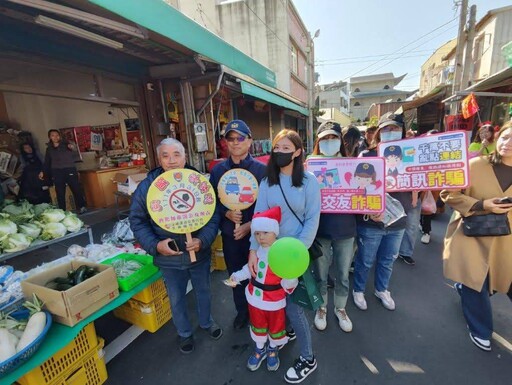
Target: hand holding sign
<point>238,190</point>
<point>181,201</point>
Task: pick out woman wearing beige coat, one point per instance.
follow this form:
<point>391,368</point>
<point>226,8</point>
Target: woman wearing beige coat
<point>481,265</point>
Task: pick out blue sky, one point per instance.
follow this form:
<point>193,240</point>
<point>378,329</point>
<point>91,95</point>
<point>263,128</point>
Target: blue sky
<point>355,34</point>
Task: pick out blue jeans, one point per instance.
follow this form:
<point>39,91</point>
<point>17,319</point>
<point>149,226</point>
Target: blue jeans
<point>375,244</point>
<point>300,324</point>
<point>411,231</point>
<point>176,281</point>
<point>341,255</point>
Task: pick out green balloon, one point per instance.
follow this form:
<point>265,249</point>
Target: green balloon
<point>288,258</point>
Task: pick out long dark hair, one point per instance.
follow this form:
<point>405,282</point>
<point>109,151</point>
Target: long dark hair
<point>495,157</point>
<point>486,127</point>
<point>273,169</point>
<point>351,140</point>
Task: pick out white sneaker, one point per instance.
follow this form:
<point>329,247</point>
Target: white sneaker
<point>345,322</point>
<point>321,318</point>
<point>425,238</point>
<point>385,298</point>
<point>359,300</point>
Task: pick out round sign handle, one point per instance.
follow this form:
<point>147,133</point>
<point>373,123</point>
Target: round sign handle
<point>237,225</point>
<point>192,253</point>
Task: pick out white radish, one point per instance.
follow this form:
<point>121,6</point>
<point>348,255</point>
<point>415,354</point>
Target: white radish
<point>35,327</point>
<point>7,345</point>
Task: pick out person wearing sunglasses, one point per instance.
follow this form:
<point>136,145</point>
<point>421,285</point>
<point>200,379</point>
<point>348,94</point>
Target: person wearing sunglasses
<point>236,240</point>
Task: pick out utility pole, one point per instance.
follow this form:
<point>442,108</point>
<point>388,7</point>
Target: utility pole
<point>311,85</point>
<point>459,50</point>
<point>468,59</point>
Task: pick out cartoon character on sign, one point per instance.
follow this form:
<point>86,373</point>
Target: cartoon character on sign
<point>364,178</point>
<point>246,195</point>
<point>232,186</point>
<point>393,156</point>
<point>156,206</point>
<point>320,177</point>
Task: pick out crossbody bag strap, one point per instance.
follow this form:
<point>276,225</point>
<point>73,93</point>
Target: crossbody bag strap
<point>287,204</point>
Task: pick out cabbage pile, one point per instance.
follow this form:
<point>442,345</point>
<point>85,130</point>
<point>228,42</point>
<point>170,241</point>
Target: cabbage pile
<point>23,223</point>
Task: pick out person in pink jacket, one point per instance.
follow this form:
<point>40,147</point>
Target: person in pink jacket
<point>266,294</point>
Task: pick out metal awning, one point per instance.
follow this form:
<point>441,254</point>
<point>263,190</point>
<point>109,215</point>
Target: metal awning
<point>263,94</point>
<point>499,79</point>
<point>159,17</point>
<point>436,94</point>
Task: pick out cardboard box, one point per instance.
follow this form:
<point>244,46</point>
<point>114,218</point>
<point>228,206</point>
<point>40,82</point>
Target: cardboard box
<point>73,305</point>
<point>127,183</point>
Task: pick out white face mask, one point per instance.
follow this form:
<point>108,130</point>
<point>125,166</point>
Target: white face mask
<point>330,147</point>
<point>390,136</point>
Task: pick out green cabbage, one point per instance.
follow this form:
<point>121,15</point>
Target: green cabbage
<point>40,208</point>
<point>72,223</point>
<point>53,230</point>
<point>30,229</point>
<point>7,227</point>
<point>52,215</point>
<point>19,213</point>
<point>16,242</point>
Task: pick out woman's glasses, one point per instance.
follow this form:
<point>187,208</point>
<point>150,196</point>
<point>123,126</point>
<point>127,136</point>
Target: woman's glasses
<point>238,139</point>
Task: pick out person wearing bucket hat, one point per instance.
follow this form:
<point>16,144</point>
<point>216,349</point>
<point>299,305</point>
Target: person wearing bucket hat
<point>235,240</point>
<point>336,234</point>
<point>266,294</point>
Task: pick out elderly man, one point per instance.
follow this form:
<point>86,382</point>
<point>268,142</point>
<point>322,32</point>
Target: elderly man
<point>235,240</point>
<point>171,251</point>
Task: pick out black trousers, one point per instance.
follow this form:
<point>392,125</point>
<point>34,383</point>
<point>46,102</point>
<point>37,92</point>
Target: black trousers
<point>236,255</point>
<point>67,176</point>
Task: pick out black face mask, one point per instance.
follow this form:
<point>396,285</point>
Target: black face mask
<point>282,159</point>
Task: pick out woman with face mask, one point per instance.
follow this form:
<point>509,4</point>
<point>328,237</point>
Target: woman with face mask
<point>377,244</point>
<point>336,234</point>
<point>288,186</point>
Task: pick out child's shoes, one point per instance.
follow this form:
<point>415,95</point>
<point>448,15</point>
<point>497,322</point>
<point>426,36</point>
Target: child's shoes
<point>272,358</point>
<point>256,358</point>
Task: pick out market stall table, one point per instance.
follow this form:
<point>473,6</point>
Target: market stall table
<point>40,244</point>
<point>60,335</point>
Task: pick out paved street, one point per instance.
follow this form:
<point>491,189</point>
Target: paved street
<point>424,341</point>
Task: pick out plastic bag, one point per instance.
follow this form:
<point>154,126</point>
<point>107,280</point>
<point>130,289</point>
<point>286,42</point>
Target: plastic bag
<point>393,212</point>
<point>428,204</point>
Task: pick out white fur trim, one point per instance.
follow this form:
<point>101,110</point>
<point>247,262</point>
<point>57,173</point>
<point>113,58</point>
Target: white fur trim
<point>265,224</point>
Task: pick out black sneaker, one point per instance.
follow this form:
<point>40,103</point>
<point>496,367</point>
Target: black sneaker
<point>407,260</point>
<point>300,370</point>
<point>186,344</point>
<point>214,331</point>
<point>241,321</point>
<point>291,334</point>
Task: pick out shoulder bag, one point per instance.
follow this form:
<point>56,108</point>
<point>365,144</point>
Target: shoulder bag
<point>315,251</point>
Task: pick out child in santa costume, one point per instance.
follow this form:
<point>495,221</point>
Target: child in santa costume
<point>266,294</point>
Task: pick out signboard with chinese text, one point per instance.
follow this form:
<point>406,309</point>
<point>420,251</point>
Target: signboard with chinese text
<point>434,162</point>
<point>349,185</point>
<point>238,189</point>
<point>181,201</point>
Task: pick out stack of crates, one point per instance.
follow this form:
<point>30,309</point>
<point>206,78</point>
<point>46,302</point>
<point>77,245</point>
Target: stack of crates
<point>81,362</point>
<point>218,262</point>
<point>150,309</point>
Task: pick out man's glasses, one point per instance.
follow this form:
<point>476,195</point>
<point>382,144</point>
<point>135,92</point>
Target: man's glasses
<point>238,139</point>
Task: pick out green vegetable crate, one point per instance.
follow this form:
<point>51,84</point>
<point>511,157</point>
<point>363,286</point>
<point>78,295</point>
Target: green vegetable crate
<point>147,270</point>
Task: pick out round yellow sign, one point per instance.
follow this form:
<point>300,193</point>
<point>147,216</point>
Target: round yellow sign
<point>181,201</point>
<point>238,189</point>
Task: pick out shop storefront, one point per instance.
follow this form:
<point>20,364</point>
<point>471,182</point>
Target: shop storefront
<point>117,78</point>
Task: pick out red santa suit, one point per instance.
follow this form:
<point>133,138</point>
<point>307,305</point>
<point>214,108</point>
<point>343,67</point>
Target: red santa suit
<point>266,294</point>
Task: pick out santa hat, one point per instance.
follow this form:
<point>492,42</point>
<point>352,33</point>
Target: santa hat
<point>267,221</point>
